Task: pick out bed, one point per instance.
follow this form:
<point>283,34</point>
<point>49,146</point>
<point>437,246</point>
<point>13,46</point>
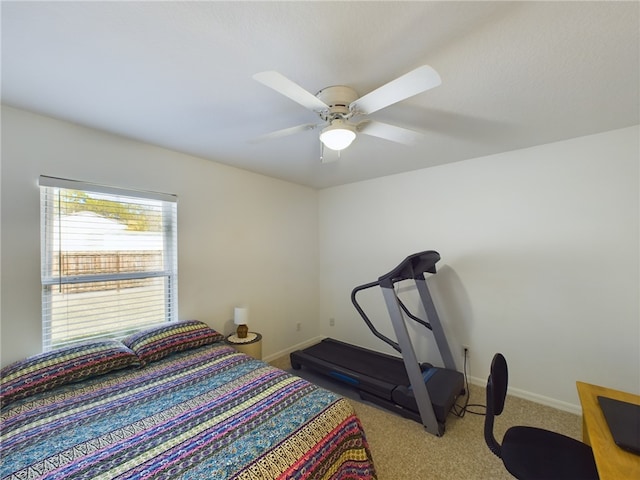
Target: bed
<point>172,402</point>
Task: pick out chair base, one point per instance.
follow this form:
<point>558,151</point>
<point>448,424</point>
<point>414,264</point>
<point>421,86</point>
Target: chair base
<point>534,453</point>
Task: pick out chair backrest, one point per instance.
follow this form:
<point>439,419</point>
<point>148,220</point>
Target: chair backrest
<point>496,395</point>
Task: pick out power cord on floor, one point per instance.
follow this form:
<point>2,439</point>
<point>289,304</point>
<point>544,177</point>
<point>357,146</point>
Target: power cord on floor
<point>461,410</point>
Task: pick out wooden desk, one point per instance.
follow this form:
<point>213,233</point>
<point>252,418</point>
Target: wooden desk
<point>613,463</point>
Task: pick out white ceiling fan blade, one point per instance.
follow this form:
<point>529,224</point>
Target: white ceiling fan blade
<point>288,88</point>
<point>389,132</point>
<point>416,81</point>
<point>284,132</point>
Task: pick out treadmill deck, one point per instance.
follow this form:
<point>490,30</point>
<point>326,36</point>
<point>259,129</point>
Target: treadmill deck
<point>380,378</point>
<point>384,367</point>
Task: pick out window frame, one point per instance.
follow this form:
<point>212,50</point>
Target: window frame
<point>49,279</point>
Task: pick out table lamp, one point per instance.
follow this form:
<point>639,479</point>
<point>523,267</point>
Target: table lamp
<point>240,318</point>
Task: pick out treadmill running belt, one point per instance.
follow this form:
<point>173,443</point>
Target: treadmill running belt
<point>383,367</point>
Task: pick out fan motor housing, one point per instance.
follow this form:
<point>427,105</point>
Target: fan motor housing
<point>338,98</point>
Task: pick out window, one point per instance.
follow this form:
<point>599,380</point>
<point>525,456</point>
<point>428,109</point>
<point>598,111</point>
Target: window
<point>109,261</point>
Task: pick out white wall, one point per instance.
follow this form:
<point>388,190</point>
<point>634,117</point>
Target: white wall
<point>540,249</point>
<point>540,260</point>
<point>243,238</point>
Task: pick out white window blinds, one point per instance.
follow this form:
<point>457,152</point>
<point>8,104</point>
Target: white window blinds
<point>109,261</point>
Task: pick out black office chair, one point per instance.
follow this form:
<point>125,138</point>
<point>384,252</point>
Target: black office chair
<point>528,452</point>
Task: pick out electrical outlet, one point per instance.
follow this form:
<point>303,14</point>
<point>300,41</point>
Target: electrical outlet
<point>466,351</point>
<point>298,326</point>
<point>332,322</point>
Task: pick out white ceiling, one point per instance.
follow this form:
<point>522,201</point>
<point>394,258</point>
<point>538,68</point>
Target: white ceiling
<point>178,75</point>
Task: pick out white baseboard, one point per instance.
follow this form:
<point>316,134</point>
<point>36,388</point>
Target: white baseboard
<point>534,397</point>
<point>299,346</point>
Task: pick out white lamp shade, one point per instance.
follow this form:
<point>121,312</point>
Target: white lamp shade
<point>338,135</point>
<point>241,316</point>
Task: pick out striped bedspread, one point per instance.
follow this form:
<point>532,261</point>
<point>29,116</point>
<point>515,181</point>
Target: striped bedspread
<point>206,413</point>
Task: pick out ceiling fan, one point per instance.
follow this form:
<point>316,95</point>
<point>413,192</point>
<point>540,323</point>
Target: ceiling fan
<point>344,113</point>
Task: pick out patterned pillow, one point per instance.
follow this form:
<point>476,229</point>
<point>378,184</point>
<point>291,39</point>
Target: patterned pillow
<point>47,370</point>
<point>157,342</point>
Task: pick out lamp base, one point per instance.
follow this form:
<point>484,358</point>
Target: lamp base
<point>242,331</point>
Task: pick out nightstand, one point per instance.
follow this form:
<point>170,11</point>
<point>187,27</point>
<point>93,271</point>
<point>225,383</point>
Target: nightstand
<point>251,345</point>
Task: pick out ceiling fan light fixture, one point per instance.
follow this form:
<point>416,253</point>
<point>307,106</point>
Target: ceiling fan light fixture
<point>338,135</point>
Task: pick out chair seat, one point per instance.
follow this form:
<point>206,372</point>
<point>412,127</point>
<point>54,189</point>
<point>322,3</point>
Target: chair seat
<point>534,453</point>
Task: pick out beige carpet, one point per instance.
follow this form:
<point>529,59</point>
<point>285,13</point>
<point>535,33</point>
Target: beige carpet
<point>402,449</point>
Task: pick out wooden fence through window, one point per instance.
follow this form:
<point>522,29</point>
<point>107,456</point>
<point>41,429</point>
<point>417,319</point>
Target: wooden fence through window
<point>106,263</point>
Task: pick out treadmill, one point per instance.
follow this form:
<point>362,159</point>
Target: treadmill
<point>419,391</point>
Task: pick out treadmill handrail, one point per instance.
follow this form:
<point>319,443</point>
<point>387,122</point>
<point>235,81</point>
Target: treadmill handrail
<point>366,319</point>
<point>412,316</point>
